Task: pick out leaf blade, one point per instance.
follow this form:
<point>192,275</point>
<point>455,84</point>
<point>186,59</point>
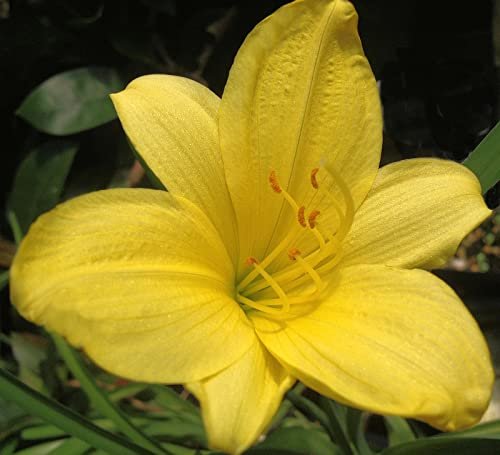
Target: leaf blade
<point>72,101</point>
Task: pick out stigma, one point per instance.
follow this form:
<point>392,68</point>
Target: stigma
<point>304,276</point>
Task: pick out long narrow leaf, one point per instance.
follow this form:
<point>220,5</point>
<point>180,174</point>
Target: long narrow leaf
<point>484,160</point>
<point>72,423</point>
<point>99,398</point>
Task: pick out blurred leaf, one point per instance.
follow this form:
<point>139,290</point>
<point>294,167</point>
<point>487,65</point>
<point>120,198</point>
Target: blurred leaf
<point>398,430</point>
<point>484,160</point>
<point>69,421</point>
<point>29,351</point>
<point>10,414</point>
<point>71,446</point>
<point>445,445</point>
<point>73,101</point>
<point>41,449</point>
<point>356,430</point>
<point>99,398</point>
<point>297,441</point>
<point>8,446</point>
<point>39,181</point>
<point>171,400</point>
<point>490,430</point>
<point>4,279</point>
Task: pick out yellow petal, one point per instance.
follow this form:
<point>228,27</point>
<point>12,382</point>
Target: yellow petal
<point>416,214</point>
<point>391,341</point>
<point>300,91</point>
<point>137,278</point>
<point>239,402</point>
<point>171,121</point>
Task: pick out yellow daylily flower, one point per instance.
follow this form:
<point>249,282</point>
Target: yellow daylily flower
<point>280,252</point>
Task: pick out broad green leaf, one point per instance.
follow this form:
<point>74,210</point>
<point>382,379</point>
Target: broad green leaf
<point>73,101</point>
<point>69,421</point>
<point>445,445</point>
<point>297,441</point>
<point>484,160</point>
<point>39,182</point>
<point>398,430</point>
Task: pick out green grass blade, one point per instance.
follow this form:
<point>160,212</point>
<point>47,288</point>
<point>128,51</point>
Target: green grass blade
<point>100,400</point>
<point>484,160</point>
<point>72,423</point>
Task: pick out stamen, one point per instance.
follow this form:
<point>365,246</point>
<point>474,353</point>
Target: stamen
<point>251,261</point>
<point>274,285</point>
<point>273,180</point>
<point>314,182</point>
<point>312,218</point>
<point>301,216</point>
<point>294,255</point>
<point>349,203</point>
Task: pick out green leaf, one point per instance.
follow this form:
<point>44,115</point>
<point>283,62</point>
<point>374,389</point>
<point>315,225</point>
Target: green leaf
<point>71,446</point>
<point>29,352</point>
<point>99,399</point>
<point>171,400</point>
<point>445,445</point>
<point>4,279</point>
<point>66,419</point>
<point>398,430</point>
<point>41,449</point>
<point>8,446</point>
<point>39,182</point>
<point>297,441</point>
<point>73,101</point>
<point>484,160</point>
<point>490,430</point>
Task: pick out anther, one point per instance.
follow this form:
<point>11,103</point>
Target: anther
<point>312,218</point>
<point>314,181</point>
<point>251,261</point>
<point>301,216</point>
<point>293,253</point>
<point>273,180</point>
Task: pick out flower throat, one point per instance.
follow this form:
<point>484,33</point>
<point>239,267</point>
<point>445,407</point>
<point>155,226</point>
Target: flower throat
<point>304,272</point>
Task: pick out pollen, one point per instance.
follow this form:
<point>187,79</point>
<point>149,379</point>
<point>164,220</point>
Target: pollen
<point>301,217</point>
<point>293,253</point>
<point>273,180</point>
<point>314,181</point>
<point>312,218</point>
<point>251,261</point>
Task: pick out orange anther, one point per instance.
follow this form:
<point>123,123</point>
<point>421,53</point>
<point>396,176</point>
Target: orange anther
<point>293,253</point>
<point>301,216</point>
<point>273,180</point>
<point>312,218</point>
<point>251,261</point>
<point>314,182</point>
